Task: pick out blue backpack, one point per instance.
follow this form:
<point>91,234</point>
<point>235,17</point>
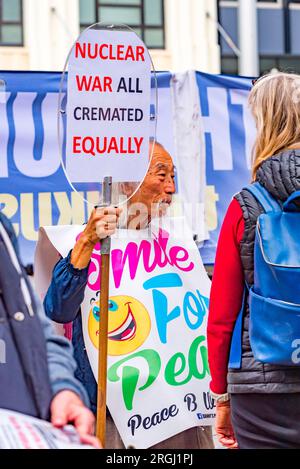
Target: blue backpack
<point>274,299</point>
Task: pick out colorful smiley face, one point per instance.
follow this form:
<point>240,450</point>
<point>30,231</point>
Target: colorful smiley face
<point>128,324</point>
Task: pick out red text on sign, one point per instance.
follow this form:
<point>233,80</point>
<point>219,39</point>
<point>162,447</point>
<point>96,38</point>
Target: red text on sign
<point>94,83</point>
<point>108,145</point>
<point>109,52</point>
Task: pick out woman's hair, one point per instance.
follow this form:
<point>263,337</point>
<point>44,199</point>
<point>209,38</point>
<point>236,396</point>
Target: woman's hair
<point>275,104</point>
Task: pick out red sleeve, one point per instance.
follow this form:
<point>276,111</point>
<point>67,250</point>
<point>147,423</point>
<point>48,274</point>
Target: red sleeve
<point>226,296</point>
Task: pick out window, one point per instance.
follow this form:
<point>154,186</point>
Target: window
<point>145,17</point>
<point>284,63</point>
<point>224,2</point>
<point>229,65</point>
<point>11,24</point>
<point>264,1</point>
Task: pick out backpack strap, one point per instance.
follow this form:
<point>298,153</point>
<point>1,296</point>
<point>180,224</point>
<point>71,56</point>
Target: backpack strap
<point>266,200</point>
<point>235,355</point>
<point>292,203</point>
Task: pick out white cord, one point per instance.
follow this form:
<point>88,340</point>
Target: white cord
<point>225,35</point>
<point>15,261</point>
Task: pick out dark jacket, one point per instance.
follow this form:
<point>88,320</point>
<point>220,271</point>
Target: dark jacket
<point>35,363</point>
<point>280,175</point>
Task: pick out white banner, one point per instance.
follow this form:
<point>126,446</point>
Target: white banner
<point>189,149</point>
<point>108,109</point>
<point>158,376</point>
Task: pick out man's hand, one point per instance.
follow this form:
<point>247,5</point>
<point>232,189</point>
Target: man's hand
<point>67,407</point>
<point>223,426</point>
<point>102,223</point>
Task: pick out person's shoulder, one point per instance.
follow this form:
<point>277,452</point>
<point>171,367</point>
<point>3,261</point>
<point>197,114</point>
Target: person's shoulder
<point>5,222</point>
<point>234,211</point>
<point>8,227</point>
<point>233,223</point>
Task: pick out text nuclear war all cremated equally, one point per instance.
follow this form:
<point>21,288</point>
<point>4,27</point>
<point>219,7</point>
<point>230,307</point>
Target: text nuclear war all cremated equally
<point>97,145</point>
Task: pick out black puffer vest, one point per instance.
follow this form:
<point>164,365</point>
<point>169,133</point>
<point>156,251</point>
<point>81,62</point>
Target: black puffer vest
<point>280,175</point>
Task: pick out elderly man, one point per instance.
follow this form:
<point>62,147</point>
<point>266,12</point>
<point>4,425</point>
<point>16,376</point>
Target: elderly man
<point>66,292</point>
<point>37,374</point>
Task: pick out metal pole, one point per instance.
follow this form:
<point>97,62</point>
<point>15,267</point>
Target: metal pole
<point>248,38</point>
<point>103,322</point>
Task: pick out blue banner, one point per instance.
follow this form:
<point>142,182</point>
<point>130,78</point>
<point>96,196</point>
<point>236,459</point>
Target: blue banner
<point>34,190</point>
<point>229,136</point>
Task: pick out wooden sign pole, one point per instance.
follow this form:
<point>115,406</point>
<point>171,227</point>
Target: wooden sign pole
<point>103,322</point>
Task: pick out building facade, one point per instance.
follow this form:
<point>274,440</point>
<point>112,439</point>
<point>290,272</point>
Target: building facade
<point>181,34</point>
<point>37,34</point>
<point>278,35</point>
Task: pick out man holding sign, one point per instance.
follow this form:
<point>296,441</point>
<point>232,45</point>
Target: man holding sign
<point>157,373</point>
<point>72,275</point>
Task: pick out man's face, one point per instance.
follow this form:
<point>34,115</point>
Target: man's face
<point>158,186</point>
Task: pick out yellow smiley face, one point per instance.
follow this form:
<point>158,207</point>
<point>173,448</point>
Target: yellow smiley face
<point>128,324</point>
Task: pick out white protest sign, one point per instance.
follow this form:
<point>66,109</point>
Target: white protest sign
<point>158,375</point>
<point>108,107</point>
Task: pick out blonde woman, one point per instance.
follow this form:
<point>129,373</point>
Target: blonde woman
<point>258,404</point>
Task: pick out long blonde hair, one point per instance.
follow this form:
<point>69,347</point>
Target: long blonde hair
<point>275,104</point>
